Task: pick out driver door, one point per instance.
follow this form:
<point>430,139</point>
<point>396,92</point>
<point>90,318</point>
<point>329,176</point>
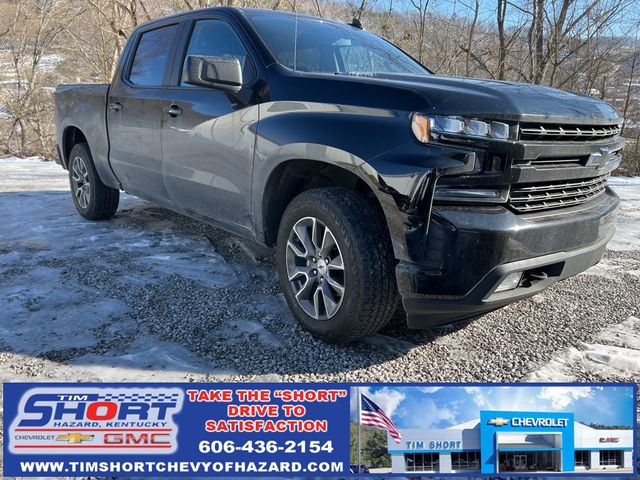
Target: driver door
<point>207,134</point>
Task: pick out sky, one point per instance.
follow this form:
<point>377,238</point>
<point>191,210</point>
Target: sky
<point>488,11</point>
<point>443,407</point>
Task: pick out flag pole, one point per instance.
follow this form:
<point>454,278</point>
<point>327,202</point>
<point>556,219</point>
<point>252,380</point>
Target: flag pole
<point>359,421</point>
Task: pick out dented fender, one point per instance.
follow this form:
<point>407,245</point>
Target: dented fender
<point>406,190</point>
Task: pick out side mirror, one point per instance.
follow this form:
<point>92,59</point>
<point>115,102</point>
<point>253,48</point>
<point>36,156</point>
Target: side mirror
<point>218,72</point>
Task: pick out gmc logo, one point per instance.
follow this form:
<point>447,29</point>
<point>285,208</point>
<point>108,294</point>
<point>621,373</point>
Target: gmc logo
<point>139,439</point>
<point>609,440</point>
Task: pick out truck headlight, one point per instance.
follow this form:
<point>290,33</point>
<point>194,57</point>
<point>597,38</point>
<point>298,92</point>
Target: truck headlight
<point>423,125</point>
<point>447,124</point>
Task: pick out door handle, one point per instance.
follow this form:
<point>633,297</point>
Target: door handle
<point>173,110</point>
<point>115,106</point>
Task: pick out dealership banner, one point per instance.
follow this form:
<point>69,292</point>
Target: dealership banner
<point>329,430</point>
<point>175,429</point>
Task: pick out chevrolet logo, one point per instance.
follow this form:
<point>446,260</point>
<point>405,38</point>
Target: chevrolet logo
<point>498,421</point>
<point>74,438</point>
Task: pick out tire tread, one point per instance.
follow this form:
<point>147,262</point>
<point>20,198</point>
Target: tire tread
<point>365,226</point>
<point>106,200</point>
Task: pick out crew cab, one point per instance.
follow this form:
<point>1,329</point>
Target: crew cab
<point>382,185</point>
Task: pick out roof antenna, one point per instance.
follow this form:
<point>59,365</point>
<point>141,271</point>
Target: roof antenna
<point>356,23</point>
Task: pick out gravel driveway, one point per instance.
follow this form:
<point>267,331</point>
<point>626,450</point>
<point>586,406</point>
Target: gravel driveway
<point>151,295</point>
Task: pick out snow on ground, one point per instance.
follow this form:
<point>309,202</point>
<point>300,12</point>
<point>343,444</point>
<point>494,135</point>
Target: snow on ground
<point>151,295</point>
<point>154,296</point>
<point>42,225</point>
<point>615,353</point>
<point>20,174</point>
<point>628,230</point>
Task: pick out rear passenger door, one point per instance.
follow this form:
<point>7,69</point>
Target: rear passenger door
<point>135,109</point>
<point>208,143</point>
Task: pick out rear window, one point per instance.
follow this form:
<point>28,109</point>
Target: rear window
<point>152,54</point>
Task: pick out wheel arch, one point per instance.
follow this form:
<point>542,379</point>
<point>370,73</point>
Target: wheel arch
<point>293,176</point>
<point>71,136</point>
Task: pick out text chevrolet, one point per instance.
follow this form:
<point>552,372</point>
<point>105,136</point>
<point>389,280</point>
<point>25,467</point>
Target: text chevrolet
<point>377,181</point>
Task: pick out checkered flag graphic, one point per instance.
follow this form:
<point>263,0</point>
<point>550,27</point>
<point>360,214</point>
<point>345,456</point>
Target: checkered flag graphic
<point>139,397</point>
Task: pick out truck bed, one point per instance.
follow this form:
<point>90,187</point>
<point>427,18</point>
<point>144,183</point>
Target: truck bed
<point>84,104</point>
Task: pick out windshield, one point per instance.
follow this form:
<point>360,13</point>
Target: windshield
<point>315,45</point>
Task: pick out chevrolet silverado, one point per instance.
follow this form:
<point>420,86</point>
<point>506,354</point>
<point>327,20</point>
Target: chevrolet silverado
<point>383,186</point>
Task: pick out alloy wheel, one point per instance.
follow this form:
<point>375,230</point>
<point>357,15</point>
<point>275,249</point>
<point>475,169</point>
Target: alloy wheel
<point>80,179</point>
<point>315,268</point>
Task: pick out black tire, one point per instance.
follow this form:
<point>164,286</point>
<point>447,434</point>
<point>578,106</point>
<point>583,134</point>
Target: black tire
<point>100,202</point>
<point>370,293</point>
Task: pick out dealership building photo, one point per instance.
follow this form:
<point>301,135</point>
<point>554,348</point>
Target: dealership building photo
<point>513,441</point>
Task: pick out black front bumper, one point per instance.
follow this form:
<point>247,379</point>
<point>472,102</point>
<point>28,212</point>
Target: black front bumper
<point>471,250</point>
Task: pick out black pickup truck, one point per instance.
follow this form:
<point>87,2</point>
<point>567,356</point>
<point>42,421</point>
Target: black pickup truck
<point>377,181</point>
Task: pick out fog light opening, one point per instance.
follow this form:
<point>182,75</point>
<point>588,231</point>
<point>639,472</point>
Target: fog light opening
<point>509,282</point>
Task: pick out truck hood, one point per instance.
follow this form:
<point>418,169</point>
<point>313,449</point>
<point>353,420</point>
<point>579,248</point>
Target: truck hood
<point>500,100</point>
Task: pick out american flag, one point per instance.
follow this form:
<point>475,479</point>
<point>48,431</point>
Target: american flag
<point>371,415</point>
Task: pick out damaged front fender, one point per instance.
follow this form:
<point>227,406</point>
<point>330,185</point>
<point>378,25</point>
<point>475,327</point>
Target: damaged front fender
<point>406,188</point>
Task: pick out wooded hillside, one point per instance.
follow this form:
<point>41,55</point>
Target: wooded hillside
<point>586,46</point>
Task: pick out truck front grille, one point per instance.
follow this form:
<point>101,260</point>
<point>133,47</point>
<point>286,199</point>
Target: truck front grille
<point>584,133</point>
<point>547,196</point>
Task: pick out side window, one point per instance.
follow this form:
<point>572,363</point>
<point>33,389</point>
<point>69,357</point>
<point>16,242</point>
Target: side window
<point>151,56</point>
<point>215,38</point>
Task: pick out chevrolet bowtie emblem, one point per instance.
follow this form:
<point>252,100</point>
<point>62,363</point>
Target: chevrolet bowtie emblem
<point>74,438</point>
<point>498,421</point>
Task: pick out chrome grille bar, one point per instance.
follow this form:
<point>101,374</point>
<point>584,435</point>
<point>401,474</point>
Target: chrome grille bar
<point>538,197</point>
<point>567,132</point>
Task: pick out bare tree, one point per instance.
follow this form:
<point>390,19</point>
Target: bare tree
<point>628,97</point>
<point>30,38</point>
<point>118,18</point>
<point>586,46</point>
<point>420,11</point>
<point>358,8</point>
<point>472,29</point>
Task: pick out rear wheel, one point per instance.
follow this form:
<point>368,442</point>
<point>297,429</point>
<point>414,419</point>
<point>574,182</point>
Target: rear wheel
<point>336,265</point>
<point>92,198</point>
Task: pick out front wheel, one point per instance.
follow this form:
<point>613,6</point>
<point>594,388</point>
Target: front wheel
<point>92,198</point>
<point>336,265</point>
